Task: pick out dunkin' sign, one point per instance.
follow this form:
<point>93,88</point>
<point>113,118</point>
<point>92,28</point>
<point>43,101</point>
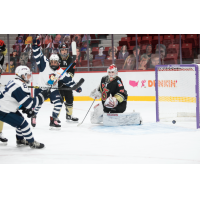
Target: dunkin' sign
<point>151,83</point>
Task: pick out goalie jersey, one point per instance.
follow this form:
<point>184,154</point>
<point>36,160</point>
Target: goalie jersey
<point>115,88</point>
<point>47,76</point>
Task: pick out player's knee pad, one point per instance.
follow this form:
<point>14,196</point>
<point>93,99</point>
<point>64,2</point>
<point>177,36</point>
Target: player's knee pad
<point>96,116</point>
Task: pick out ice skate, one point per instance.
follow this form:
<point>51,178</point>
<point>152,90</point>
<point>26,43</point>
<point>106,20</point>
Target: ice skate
<point>21,142</point>
<point>33,121</point>
<point>36,145</point>
<point>70,118</point>
<point>58,121</point>
<point>3,139</point>
<point>54,124</point>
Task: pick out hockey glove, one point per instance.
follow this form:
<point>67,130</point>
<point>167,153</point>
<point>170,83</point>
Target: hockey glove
<point>79,89</point>
<point>29,112</point>
<point>95,94</point>
<point>111,102</point>
<point>45,94</point>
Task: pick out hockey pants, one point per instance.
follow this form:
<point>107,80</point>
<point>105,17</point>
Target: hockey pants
<point>16,120</point>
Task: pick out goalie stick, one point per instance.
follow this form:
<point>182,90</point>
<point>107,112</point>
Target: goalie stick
<point>86,114</point>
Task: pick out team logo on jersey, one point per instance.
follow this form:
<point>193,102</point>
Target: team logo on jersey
<point>104,94</point>
<point>122,91</point>
<point>103,85</point>
<point>52,78</point>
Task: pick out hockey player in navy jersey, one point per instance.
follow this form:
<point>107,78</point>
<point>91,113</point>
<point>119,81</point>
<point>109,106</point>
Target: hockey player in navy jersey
<point>47,68</point>
<point>15,94</point>
<point>3,52</point>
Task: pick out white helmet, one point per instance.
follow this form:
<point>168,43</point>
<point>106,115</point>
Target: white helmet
<point>112,68</point>
<point>54,57</point>
<point>23,70</point>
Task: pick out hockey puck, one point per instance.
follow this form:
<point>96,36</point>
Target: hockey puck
<point>174,122</point>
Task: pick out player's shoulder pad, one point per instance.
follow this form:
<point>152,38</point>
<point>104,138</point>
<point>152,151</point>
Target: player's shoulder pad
<point>23,86</point>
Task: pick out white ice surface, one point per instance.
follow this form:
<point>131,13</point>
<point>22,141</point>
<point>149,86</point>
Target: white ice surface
<point>152,142</point>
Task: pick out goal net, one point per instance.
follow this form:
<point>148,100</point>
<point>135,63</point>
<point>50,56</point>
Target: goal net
<point>177,93</point>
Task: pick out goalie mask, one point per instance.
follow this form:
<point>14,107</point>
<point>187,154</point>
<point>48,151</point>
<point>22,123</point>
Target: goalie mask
<point>23,73</point>
<point>112,71</point>
<point>63,51</point>
<point>54,61</point>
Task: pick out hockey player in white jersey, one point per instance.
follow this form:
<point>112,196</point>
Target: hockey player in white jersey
<point>15,94</point>
<point>49,73</point>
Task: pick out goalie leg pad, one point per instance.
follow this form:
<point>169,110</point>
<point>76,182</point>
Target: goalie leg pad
<point>96,116</point>
<point>121,119</point>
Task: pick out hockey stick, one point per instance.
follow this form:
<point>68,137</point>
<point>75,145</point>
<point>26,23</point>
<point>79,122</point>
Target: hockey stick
<point>62,74</point>
<point>87,113</point>
<point>76,86</point>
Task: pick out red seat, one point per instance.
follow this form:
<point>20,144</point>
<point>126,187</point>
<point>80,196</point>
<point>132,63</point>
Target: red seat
<point>124,41</point>
<point>96,63</point>
<point>146,40</point>
<point>95,49</point>
<point>174,46</point>
<point>133,41</point>
<point>83,66</point>
<point>119,48</point>
<point>191,40</point>
<point>107,48</point>
<point>168,37</point>
<point>171,59</point>
<point>108,62</point>
<point>119,63</point>
<point>187,50</point>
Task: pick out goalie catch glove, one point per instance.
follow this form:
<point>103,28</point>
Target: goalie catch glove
<point>95,94</point>
<point>111,102</point>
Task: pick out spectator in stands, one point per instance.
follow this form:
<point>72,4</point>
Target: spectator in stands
<point>84,47</point>
<point>162,52</point>
<point>23,60</point>
<point>67,39</point>
<point>77,39</point>
<point>57,39</point>
<point>3,52</point>
<point>90,55</point>
<point>129,63</point>
<point>100,56</point>
<point>149,50</point>
<point>18,48</point>
<point>138,52</point>
<point>19,41</point>
<point>78,57</point>
<point>85,38</point>
<point>123,54</point>
<point>12,67</point>
<point>14,57</point>
<point>47,39</point>
<point>50,47</point>
<point>154,61</point>
<point>110,53</point>
<point>143,62</point>
<point>46,53</point>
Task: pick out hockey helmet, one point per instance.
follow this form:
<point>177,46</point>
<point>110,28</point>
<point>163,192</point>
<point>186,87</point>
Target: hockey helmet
<point>112,71</point>
<point>24,73</point>
<point>54,61</point>
<point>62,47</point>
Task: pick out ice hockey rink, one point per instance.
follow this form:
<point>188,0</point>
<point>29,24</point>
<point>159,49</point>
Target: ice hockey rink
<point>150,143</point>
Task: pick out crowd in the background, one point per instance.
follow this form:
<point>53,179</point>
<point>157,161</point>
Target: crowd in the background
<point>89,48</point>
